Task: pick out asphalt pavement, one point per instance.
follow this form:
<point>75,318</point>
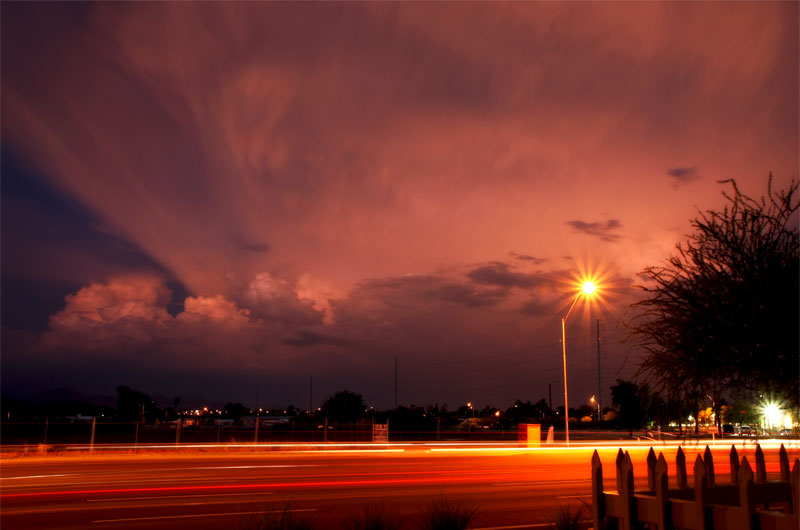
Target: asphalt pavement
<point>511,487</point>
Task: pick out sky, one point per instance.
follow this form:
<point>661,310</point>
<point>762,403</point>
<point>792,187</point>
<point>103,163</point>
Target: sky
<point>272,202</point>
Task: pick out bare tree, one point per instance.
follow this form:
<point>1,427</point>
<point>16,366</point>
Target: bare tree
<point>721,315</point>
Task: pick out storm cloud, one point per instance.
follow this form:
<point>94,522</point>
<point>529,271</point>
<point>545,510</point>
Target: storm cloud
<point>285,188</point>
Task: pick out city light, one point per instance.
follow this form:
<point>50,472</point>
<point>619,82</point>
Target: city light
<point>772,414</point>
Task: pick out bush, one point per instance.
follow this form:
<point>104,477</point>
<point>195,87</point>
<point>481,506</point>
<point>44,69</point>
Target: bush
<point>444,514</point>
<point>374,517</point>
<point>283,518</point>
<point>567,517</point>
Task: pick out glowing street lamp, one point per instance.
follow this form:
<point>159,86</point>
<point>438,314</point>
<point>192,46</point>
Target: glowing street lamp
<point>593,400</point>
<point>587,289</point>
<point>772,415</point>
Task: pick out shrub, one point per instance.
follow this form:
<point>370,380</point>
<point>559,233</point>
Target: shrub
<point>283,518</point>
<point>567,517</point>
<point>444,514</point>
<point>374,517</point>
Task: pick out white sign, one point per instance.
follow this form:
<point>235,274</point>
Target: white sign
<point>380,433</point>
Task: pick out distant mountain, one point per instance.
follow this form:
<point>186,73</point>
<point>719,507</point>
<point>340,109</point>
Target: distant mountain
<point>57,395</point>
<point>105,401</point>
<point>69,396</point>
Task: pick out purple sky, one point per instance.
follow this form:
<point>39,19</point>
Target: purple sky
<point>199,198</point>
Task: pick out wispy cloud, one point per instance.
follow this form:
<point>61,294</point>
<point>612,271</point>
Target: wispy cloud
<point>606,231</point>
<point>525,257</point>
<point>683,175</point>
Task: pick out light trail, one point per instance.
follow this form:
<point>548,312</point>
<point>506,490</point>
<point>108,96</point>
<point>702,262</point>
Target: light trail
<point>195,496</point>
<point>400,447</point>
<point>37,476</point>
<point>187,516</point>
<point>222,487</point>
<point>257,467</point>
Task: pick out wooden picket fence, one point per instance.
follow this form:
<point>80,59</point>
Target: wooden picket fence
<point>746,502</point>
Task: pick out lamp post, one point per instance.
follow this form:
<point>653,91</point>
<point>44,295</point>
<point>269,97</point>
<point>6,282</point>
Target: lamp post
<point>593,400</point>
<point>587,289</point>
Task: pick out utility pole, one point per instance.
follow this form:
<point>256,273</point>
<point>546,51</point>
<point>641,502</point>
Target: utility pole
<point>599,378</point>
<point>395,382</point>
<point>311,395</point>
<point>256,409</point>
<point>550,393</point>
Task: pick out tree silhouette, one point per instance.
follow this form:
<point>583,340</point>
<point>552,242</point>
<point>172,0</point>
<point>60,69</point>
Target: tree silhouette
<point>721,315</point>
<point>344,406</point>
<point>132,404</point>
<point>632,401</point>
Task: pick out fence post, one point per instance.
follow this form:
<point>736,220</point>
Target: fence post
<point>626,491</point>
<point>680,468</point>
<point>701,494</point>
<point>746,503</point>
<point>618,464</point>
<point>662,494</point>
<point>761,466</point>
<point>734,458</point>
<point>708,462</point>
<point>784,460</point>
<point>598,497</point>
<point>795,480</point>
<point>651,470</point>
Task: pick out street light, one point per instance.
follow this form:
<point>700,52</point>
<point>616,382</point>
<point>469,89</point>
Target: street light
<point>593,400</point>
<point>587,289</point>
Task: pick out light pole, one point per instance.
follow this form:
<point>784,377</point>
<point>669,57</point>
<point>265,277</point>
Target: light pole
<point>587,289</point>
<point>593,400</point>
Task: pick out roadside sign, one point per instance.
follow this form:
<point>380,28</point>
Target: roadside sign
<point>380,433</point>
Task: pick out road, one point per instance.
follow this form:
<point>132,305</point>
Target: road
<point>511,488</point>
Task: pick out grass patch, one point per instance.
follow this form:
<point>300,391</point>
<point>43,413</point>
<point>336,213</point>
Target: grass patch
<point>567,517</point>
<point>374,517</point>
<point>446,514</point>
<point>282,518</point>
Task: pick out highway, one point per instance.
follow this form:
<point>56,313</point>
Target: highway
<point>511,487</point>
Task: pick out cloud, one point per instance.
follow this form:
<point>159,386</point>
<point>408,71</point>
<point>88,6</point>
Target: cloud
<point>410,291</point>
<point>255,247</point>
<point>605,231</point>
<point>287,165</point>
<point>213,310</point>
<point>337,145</point>
<point>281,300</point>
<point>683,175</point>
<point>126,318</point>
<point>307,337</point>
<point>500,274</point>
<point>140,298</point>
<point>525,257</point>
